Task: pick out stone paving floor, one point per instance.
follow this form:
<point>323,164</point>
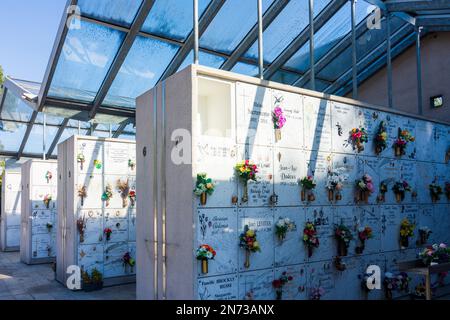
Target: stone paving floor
<point>19,281</point>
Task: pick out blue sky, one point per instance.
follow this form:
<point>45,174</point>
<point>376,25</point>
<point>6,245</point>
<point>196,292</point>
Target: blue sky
<point>27,33</point>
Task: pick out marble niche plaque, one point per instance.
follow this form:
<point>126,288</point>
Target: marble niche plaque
<point>410,125</point>
<point>441,142</point>
<point>116,159</point>
<point>292,106</point>
<point>40,218</point>
<point>320,275</point>
<point>116,201</point>
<point>256,285</point>
<point>254,124</point>
<point>38,194</point>
<point>94,190</point>
<point>352,168</point>
<point>411,212</point>
<point>93,232</point>
<point>259,192</point>
<point>317,124</point>
<point>408,173</point>
<point>113,254</point>
<point>322,217</point>
<point>389,173</point>
<point>372,168</point>
<point>347,284</point>
<point>369,120</point>
<point>370,216</point>
<point>90,256</point>
<point>291,250</point>
<point>260,220</point>
<point>442,176</point>
<point>132,225</point>
<point>42,245</point>
<point>289,168</point>
<point>218,288</point>
<point>91,150</point>
<point>296,288</point>
<point>426,218</point>
<point>424,140</point>
<point>217,158</point>
<point>426,174</point>
<point>390,227</point>
<point>318,165</point>
<point>218,228</point>
<point>117,221</point>
<point>441,223</point>
<point>342,122</point>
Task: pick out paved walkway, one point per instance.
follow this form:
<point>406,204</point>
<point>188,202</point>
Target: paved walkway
<point>19,281</point>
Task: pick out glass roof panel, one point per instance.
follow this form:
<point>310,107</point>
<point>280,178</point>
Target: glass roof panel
<point>290,22</point>
<point>35,140</point>
<point>284,77</point>
<point>204,58</point>
<point>50,119</point>
<point>11,133</point>
<point>30,86</point>
<point>231,25</point>
<point>246,69</point>
<point>85,59</point>
<point>67,133</point>
<point>145,63</point>
<point>127,137</point>
<point>120,12</point>
<point>172,18</point>
<point>326,37</point>
<point>15,109</point>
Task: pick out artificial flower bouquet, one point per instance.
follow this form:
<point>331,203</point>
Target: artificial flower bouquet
<point>435,254</point>
<point>406,231</point>
<point>97,164</point>
<point>435,192</point>
<point>358,137</point>
<point>132,196</point>
<point>82,193</point>
<point>310,238</point>
<point>204,186</point>
<point>107,232</point>
<point>283,226</point>
<point>316,293</point>
<point>393,282</point>
<point>47,199</point>
<point>246,171</point>
<point>249,243</point>
<point>424,234</point>
<point>48,176</point>
<point>107,194</point>
<point>81,226</point>
<point>364,187</point>
<point>92,282</point>
<point>380,140</point>
<point>128,261</point>
<point>400,188</point>
<point>124,189</point>
<point>383,189</point>
<point>131,164</point>
<point>279,283</point>
<point>335,184</point>
<point>205,253</point>
<point>404,137</point>
<point>308,184</point>
<point>279,120</point>
<point>343,236</point>
<point>363,235</point>
<point>81,159</point>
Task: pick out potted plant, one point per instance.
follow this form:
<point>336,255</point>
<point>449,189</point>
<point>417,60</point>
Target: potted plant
<point>249,243</point>
<point>435,192</point>
<point>92,282</point>
<point>308,184</point>
<point>279,121</point>
<point>203,187</point>
<point>310,238</point>
<point>358,137</point>
<point>363,235</point>
<point>107,232</point>
<point>380,140</point>
<point>81,226</point>
<point>335,184</point>
<point>279,283</point>
<point>424,234</point>
<point>406,231</point>
<point>400,188</point>
<point>107,195</point>
<point>82,193</point>
<point>128,262</point>
<point>47,199</point>
<point>246,171</point>
<point>48,176</point>
<point>343,236</point>
<point>205,253</point>
<point>124,189</point>
<point>435,254</point>
<point>403,138</point>
<point>282,227</point>
<point>364,187</point>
